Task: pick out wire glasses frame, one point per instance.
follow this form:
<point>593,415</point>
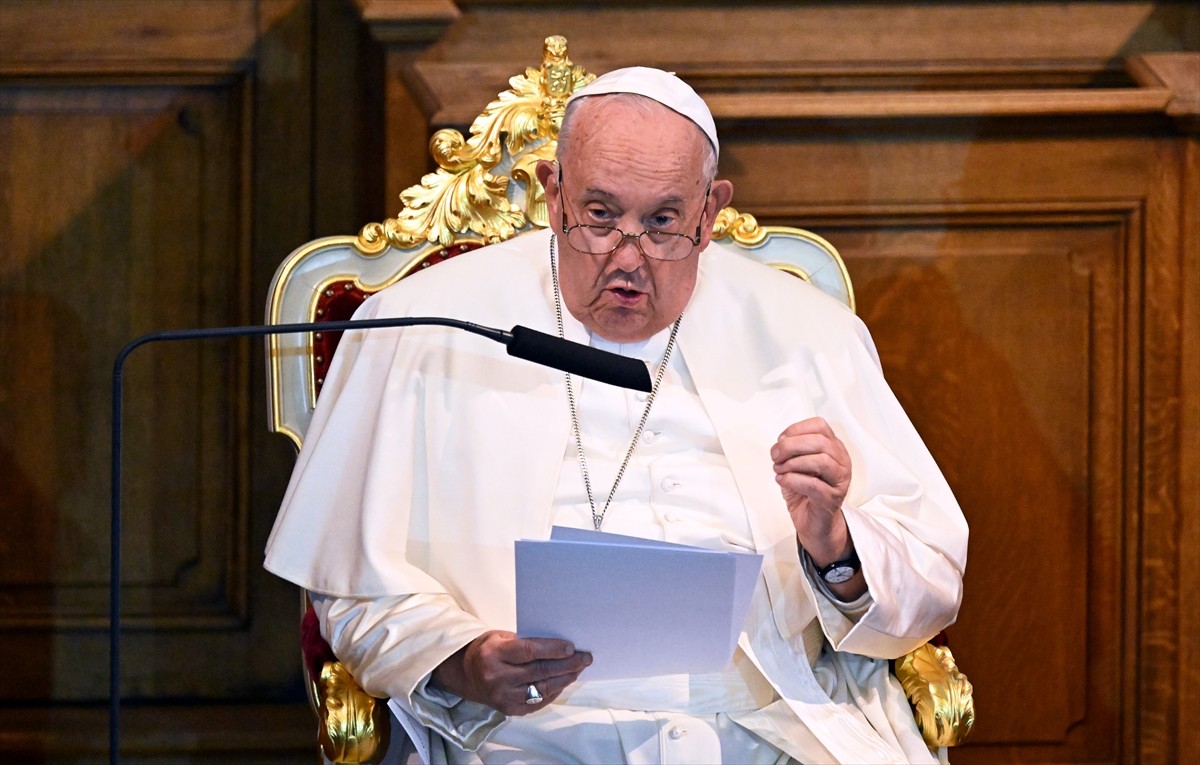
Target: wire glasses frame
<point>605,240</point>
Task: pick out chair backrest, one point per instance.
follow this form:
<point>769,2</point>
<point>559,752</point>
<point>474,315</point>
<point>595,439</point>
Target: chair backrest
<point>483,191</point>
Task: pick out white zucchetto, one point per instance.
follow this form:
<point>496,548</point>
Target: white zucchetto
<point>657,85</point>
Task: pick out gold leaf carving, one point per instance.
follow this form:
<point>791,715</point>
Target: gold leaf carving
<point>940,694</point>
<point>464,194</point>
<point>535,196</point>
<point>351,732</point>
<point>743,228</point>
<point>446,204</point>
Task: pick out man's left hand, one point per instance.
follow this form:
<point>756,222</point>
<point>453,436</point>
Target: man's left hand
<point>812,468</point>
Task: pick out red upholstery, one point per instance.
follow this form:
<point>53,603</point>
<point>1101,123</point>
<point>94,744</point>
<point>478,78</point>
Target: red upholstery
<point>334,304</point>
<point>339,302</point>
<point>314,648</point>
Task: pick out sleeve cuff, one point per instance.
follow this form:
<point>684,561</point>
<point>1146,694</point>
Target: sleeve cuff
<point>466,723</point>
<point>852,610</point>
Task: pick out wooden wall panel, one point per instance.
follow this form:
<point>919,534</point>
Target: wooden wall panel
<point>1001,272</point>
<point>155,166</point>
<point>147,236</point>
<point>1013,184</point>
<point>1187,719</point>
<point>124,208</point>
<point>994,338</point>
<point>1005,273</point>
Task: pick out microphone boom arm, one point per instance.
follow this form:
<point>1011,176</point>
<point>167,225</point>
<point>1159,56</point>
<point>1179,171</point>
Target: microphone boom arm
<point>521,342</point>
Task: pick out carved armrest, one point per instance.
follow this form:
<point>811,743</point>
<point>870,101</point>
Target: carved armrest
<point>939,693</point>
<point>353,725</point>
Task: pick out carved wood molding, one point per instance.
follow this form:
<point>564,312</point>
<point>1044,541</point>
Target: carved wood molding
<point>281,732</point>
<point>135,37</point>
<point>1179,75</point>
<point>823,60</point>
<point>785,101</point>
<point>407,21</point>
<point>958,103</point>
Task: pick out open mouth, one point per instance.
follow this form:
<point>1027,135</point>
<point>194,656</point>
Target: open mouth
<point>627,297</point>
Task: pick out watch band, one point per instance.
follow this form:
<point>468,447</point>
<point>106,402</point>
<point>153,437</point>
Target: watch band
<point>840,570</point>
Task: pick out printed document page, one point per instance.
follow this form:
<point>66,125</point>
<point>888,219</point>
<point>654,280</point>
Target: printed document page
<point>640,606</point>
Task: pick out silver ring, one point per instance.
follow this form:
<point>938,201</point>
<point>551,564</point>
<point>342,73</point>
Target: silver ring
<point>532,696</point>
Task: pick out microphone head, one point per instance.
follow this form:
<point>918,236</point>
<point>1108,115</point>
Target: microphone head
<point>579,359</point>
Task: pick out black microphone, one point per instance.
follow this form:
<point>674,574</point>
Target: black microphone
<point>521,342</point>
<point>578,359</point>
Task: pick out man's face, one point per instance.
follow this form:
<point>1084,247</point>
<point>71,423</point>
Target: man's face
<point>634,171</point>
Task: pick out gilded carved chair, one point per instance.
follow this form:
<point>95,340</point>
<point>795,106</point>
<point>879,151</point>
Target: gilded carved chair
<point>484,191</point>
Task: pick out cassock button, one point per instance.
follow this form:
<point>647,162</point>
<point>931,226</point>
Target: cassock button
<point>642,396</point>
<point>671,517</point>
<point>649,436</point>
<point>676,732</point>
<point>669,484</point>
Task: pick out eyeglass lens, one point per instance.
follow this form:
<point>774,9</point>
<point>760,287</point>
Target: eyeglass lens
<point>601,240</point>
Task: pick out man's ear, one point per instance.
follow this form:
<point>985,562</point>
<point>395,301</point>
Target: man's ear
<point>719,196</point>
<point>547,175</point>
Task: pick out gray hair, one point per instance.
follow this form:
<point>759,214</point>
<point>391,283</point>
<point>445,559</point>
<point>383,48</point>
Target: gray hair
<point>645,105</point>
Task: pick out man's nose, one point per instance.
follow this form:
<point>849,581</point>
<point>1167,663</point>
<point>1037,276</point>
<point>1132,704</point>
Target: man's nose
<point>628,256</point>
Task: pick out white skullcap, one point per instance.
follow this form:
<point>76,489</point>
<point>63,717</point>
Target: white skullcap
<point>660,86</point>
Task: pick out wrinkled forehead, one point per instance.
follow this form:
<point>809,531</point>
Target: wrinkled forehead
<point>663,87</point>
<point>635,146</point>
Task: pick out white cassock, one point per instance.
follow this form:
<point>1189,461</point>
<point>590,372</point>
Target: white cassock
<point>431,452</point>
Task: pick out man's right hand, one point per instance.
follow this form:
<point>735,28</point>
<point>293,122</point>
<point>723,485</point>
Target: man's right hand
<point>498,667</point>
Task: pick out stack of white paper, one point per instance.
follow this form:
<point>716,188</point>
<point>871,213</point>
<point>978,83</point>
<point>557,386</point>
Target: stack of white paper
<point>641,607</point>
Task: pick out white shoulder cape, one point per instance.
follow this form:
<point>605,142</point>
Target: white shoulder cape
<point>432,451</point>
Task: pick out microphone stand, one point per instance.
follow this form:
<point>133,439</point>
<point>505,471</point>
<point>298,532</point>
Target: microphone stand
<point>521,342</point>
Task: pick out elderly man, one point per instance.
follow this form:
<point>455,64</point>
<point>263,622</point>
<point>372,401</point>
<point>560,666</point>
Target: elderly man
<point>769,428</point>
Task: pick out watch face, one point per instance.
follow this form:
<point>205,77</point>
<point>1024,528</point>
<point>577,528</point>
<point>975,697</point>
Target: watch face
<point>840,574</point>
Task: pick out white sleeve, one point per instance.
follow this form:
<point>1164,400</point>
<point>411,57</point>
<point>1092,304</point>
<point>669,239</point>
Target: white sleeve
<point>907,527</point>
<point>391,646</point>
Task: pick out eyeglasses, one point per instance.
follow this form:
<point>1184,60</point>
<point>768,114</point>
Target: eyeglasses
<point>604,240</point>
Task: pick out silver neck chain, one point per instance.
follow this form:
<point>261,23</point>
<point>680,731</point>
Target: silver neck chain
<point>598,518</point>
